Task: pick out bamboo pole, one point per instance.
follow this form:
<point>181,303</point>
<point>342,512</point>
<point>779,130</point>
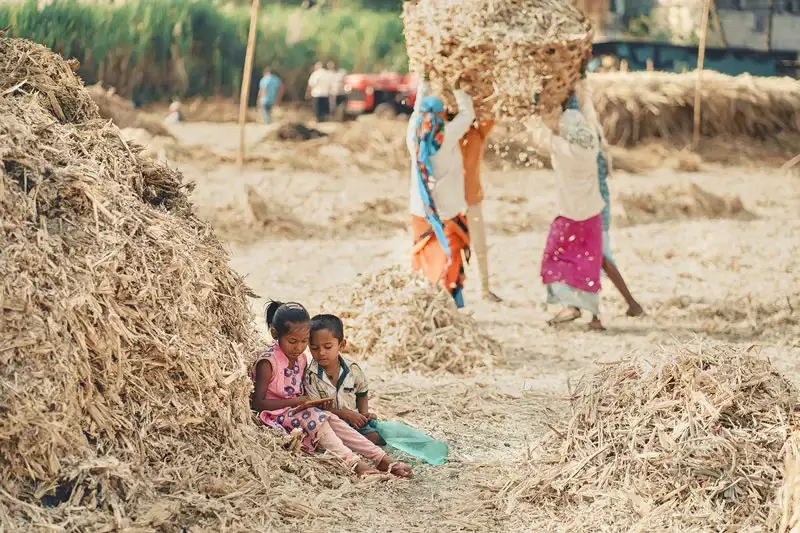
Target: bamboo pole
<point>715,20</point>
<point>790,163</point>
<point>701,56</point>
<point>246,75</point>
<point>770,16</point>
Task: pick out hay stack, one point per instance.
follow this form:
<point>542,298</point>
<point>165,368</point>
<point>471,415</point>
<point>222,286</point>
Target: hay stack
<point>676,203</point>
<point>397,315</point>
<point>121,111</point>
<point>692,438</point>
<point>515,48</point>
<point>124,404</point>
<point>637,106</point>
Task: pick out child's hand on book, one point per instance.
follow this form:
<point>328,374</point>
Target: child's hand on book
<point>357,420</point>
<point>321,403</point>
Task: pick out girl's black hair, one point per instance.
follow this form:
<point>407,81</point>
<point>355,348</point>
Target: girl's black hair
<point>330,322</point>
<point>281,316</point>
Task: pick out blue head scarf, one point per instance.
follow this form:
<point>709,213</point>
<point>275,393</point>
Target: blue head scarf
<point>428,139</point>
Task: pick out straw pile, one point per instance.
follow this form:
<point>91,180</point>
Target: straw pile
<point>676,203</point>
<point>636,106</point>
<point>395,314</point>
<point>693,438</point>
<point>124,404</point>
<point>513,50</point>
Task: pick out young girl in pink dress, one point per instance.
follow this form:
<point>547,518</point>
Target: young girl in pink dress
<point>280,401</point>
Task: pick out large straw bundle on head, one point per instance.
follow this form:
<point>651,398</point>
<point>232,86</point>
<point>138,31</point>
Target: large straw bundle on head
<point>395,314</point>
<point>693,439</point>
<point>516,49</point>
<point>124,404</point>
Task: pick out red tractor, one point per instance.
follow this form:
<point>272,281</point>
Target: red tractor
<point>385,95</point>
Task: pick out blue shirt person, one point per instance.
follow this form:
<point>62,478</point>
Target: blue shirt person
<point>270,92</point>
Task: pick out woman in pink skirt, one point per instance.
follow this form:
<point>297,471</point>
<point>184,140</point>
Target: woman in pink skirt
<point>573,255</point>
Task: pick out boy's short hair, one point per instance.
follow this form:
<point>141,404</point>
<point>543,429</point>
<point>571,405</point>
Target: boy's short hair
<point>330,322</point>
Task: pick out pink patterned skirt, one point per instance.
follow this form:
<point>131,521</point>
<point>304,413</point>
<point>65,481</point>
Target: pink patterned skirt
<point>572,263</point>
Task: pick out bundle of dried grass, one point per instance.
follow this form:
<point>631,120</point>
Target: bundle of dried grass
<point>121,111</point>
<point>124,404</point>
<point>516,49</point>
<point>675,203</point>
<point>636,106</point>
<point>397,315</point>
<point>690,438</point>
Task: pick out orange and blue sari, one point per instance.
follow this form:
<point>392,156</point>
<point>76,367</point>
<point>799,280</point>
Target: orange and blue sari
<point>440,247</point>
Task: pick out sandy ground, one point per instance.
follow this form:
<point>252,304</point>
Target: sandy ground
<point>734,279</point>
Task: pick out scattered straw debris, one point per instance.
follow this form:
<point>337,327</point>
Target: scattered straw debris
<point>122,112</point>
<point>397,315</point>
<point>273,215</point>
<point>672,203</point>
<point>124,403</point>
<point>294,131</point>
<point>689,438</point>
<point>516,49</point>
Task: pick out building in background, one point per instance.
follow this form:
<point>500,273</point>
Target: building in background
<point>747,23</point>
<point>759,37</point>
<point>753,24</point>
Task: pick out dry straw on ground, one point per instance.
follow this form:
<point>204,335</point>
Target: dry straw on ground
<point>676,203</point>
<point>396,315</point>
<point>121,111</point>
<point>124,403</point>
<point>516,49</point>
<point>637,106</point>
<point>690,438</point>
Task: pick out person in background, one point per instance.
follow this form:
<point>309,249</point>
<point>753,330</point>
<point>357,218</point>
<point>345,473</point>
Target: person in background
<point>175,114</point>
<point>473,144</point>
<point>438,201</point>
<point>332,376</point>
<point>319,91</point>
<point>573,255</point>
<point>337,94</point>
<point>270,93</point>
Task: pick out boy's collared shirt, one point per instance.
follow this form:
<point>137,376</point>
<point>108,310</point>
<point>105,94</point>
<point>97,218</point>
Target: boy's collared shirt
<point>352,384</point>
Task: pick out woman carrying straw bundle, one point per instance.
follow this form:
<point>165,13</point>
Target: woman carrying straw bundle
<point>573,255</point>
<point>582,101</point>
<point>473,144</point>
<point>438,200</point>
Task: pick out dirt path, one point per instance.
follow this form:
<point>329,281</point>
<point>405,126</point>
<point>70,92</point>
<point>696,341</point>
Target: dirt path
<point>735,279</point>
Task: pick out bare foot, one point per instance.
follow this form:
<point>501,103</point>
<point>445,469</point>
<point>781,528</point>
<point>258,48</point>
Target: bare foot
<point>568,314</point>
<point>635,310</point>
<point>489,296</point>
<point>396,468</point>
<point>365,469</point>
<point>596,325</point>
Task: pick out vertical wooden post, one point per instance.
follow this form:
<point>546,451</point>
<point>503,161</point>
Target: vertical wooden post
<point>770,17</point>
<point>246,75</point>
<point>701,56</point>
<point>715,20</point>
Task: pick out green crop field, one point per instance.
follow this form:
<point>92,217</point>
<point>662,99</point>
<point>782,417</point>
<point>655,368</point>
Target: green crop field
<point>152,50</point>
